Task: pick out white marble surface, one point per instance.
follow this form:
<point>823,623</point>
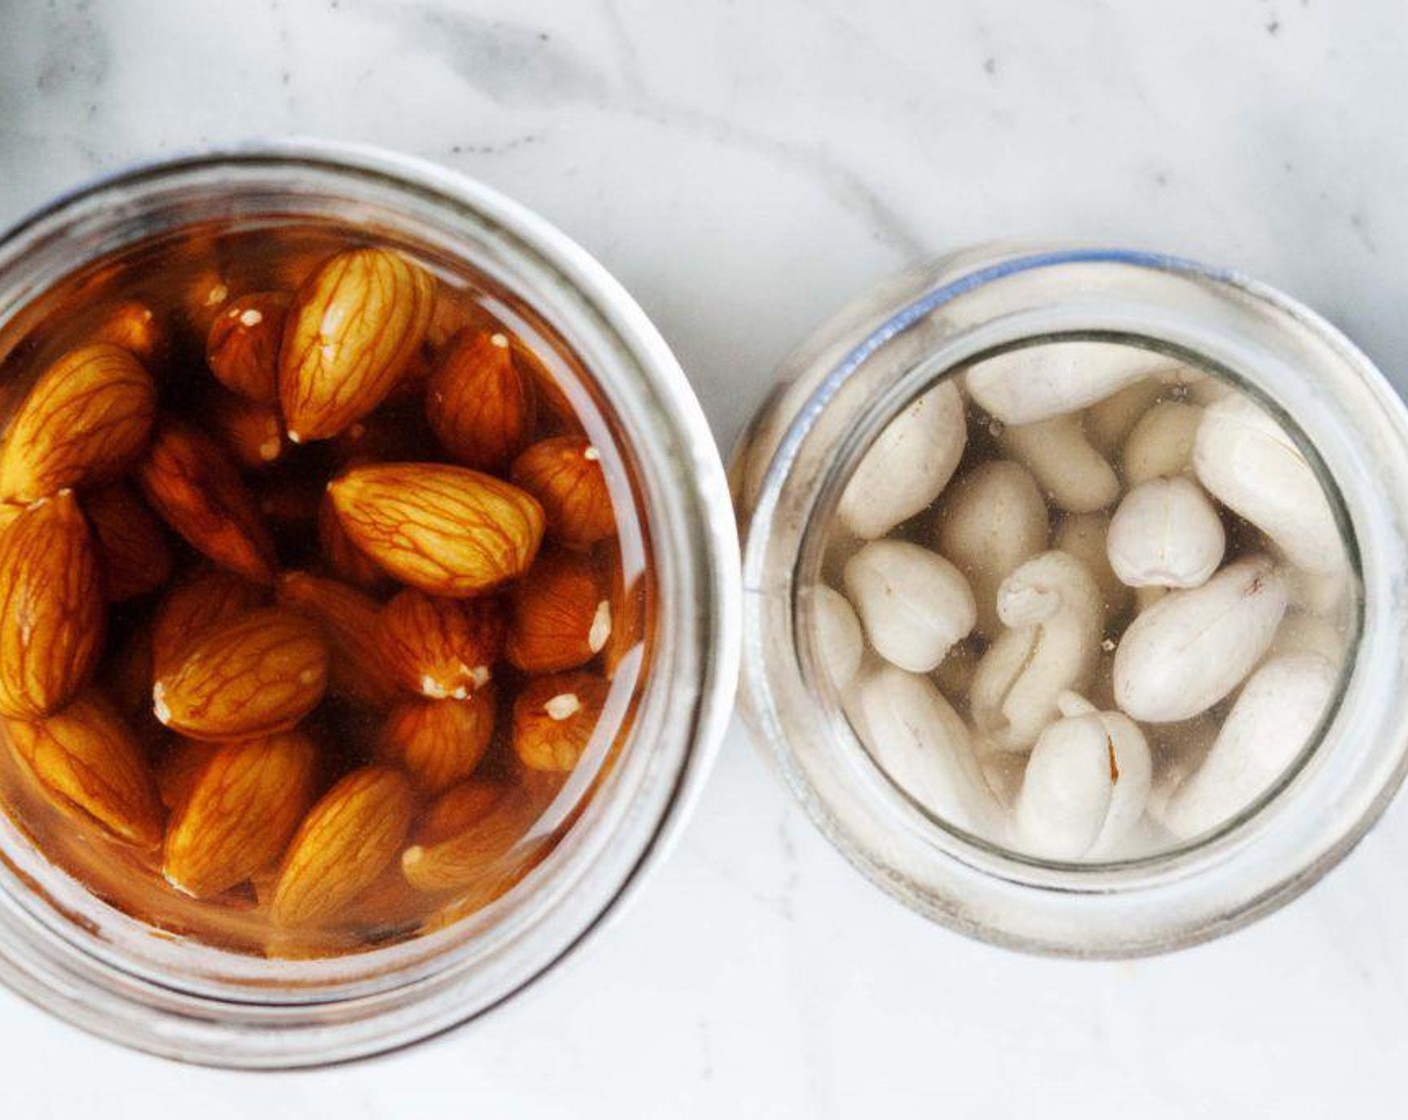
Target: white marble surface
<point>743,168</point>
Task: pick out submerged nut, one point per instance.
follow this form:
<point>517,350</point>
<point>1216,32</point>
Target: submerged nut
<point>1109,422</point>
<point>839,641</point>
<point>1166,533</point>
<point>1065,463</point>
<point>915,604</point>
<point>1085,536</point>
<point>1161,444</point>
<point>1039,382</point>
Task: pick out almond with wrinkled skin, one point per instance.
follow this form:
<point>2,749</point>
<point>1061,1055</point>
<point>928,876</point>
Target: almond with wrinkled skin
<point>86,420</point>
<point>201,600</point>
<point>257,674</point>
<point>561,614</point>
<point>134,326</point>
<point>554,717</point>
<point>457,810</point>
<point>344,844</point>
<point>242,348</point>
<point>446,530</point>
<point>481,856</point>
<point>479,403</point>
<point>52,613</point>
<point>352,624</point>
<point>438,742</point>
<point>193,486</point>
<point>86,757</point>
<point>344,559</point>
<point>442,648</point>
<point>354,326</point>
<point>251,432</point>
<point>181,766</point>
<point>8,512</point>
<point>130,542</point>
<point>240,813</point>
<point>564,474</point>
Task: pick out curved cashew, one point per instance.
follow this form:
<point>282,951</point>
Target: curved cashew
<point>1065,463</point>
<point>917,738</point>
<point>1039,382</point>
<point>1309,633</point>
<point>1051,606</point>
<point>908,465</point>
<point>1161,444</point>
<point>1165,533</point>
<point>1180,753</point>
<point>914,604</point>
<point>1109,422</point>
<point>991,520</point>
<point>1191,648</point>
<point>1269,725</point>
<point>838,637</point>
<point>1085,787</point>
<point>1084,536</point>
<point>1249,463</point>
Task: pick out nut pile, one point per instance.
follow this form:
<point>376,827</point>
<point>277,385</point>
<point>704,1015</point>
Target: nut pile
<point>1085,601</point>
<point>311,595</point>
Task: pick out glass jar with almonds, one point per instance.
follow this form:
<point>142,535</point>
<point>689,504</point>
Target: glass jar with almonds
<point>367,603</point>
<point>1076,581</point>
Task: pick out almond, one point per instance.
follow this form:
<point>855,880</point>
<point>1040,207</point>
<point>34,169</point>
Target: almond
<point>130,542</point>
<point>564,474</point>
<point>242,348</point>
<point>344,559</point>
<point>52,614</point>
<point>194,487</point>
<point>457,810</point>
<point>135,327</point>
<point>446,530</point>
<point>256,674</point>
<point>554,717</point>
<point>352,624</point>
<point>181,766</point>
<point>344,844</point>
<point>439,742</point>
<point>354,326</point>
<point>561,614</point>
<point>442,647</point>
<point>479,403</point>
<point>240,813</point>
<point>87,758</point>
<point>251,432</point>
<point>488,856</point>
<point>202,600</point>
<point>205,294</point>
<point>86,420</point>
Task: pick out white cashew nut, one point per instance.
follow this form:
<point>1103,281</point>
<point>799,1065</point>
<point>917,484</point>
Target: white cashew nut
<point>1038,382</point>
<point>1166,533</point>
<point>1309,633</point>
<point>1191,648</point>
<point>913,603</point>
<point>988,522</point>
<point>1066,465</point>
<point>1085,536</point>
<point>1051,606</point>
<point>1161,444</point>
<point>839,641</point>
<point>1109,422</point>
<point>908,465</point>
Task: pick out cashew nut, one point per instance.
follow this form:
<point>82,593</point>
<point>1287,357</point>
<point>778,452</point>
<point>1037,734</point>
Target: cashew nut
<point>1193,647</point>
<point>1051,606</point>
<point>1309,633</point>
<point>1166,533</point>
<point>987,523</point>
<point>1161,444</point>
<point>914,603</point>
<point>1085,786</point>
<point>1065,463</point>
<point>1038,382</point>
<point>838,636</point>
<point>1109,422</point>
<point>1178,753</point>
<point>1249,463</point>
<point>1270,724</point>
<point>917,738</point>
<point>1084,536</point>
<point>908,465</point>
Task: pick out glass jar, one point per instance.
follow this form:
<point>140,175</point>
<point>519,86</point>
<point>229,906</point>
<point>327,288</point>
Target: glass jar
<point>87,962</point>
<point>837,393</point>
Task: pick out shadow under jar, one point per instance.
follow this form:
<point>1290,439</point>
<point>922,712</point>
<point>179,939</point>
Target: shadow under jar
<point>396,626</point>
<point>1074,609</point>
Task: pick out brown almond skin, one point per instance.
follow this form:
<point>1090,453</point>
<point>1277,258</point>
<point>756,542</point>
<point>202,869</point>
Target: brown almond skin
<point>181,765</point>
<point>481,855</point>
<point>86,757</point>
<point>438,742</point>
<point>130,542</point>
<point>252,433</point>
<point>242,348</point>
<point>191,483</point>
<point>52,611</point>
<point>561,614</point>
<point>240,813</point>
<point>554,717</point>
<point>564,474</point>
<point>199,601</point>
<point>133,326</point>
<point>87,419</point>
<point>444,529</point>
<point>355,325</point>
<point>479,403</point>
<point>442,648</point>
<point>343,558</point>
<point>348,839</point>
<point>352,623</point>
<point>257,674</point>
<point>458,809</point>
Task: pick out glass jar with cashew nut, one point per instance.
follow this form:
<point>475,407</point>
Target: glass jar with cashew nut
<point>1070,572</point>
